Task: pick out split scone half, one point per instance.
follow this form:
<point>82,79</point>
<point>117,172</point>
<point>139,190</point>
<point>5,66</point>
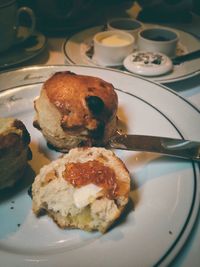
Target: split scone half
<point>87,188</point>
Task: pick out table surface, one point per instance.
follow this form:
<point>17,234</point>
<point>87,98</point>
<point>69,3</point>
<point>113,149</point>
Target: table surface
<point>189,256</point>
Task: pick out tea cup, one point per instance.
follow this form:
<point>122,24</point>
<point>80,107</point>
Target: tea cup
<point>11,33</point>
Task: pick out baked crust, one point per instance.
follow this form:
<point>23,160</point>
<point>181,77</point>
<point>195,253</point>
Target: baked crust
<point>68,91</point>
<point>15,136</point>
<point>14,151</point>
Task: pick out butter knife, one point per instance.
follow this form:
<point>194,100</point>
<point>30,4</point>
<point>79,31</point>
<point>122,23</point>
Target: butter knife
<point>168,146</point>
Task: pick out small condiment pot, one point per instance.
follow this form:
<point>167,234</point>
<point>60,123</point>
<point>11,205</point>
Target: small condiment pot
<point>128,25</point>
<point>111,47</point>
<point>158,40</point>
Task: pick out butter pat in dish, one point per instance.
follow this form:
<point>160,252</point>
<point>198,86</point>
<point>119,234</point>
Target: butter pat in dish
<point>88,188</point>
<point>111,47</point>
<point>115,40</point>
<point>148,63</point>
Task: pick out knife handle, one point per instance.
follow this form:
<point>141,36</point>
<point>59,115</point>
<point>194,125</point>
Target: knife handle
<point>190,56</point>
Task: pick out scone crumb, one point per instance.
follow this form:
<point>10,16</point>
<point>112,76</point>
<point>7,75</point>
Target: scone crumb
<point>50,176</point>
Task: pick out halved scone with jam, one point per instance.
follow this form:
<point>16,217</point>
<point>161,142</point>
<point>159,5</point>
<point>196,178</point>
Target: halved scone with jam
<point>88,188</point>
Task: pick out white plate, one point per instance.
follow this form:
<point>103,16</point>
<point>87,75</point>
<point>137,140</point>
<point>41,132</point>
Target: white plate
<point>33,46</point>
<point>77,46</point>
<point>165,191</point>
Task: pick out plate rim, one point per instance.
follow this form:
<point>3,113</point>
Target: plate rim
<point>155,79</point>
<point>63,66</point>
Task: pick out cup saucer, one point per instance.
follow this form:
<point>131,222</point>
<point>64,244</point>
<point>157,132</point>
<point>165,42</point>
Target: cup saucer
<point>23,52</point>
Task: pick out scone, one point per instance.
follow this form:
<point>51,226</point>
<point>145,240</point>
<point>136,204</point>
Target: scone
<point>14,151</point>
<point>88,188</point>
<point>76,110</point>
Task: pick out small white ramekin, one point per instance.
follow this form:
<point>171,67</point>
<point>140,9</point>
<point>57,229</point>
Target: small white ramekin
<point>113,52</point>
<point>158,40</point>
<point>129,25</point>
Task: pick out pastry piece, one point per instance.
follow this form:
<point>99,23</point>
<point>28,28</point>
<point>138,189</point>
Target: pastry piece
<point>87,188</point>
<point>14,151</point>
<point>76,110</point>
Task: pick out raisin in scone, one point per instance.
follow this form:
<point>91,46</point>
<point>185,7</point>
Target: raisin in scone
<point>76,110</point>
<point>88,188</point>
<point>14,151</point>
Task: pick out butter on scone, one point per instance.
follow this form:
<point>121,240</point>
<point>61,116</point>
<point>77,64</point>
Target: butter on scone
<point>88,188</point>
<point>14,151</point>
<point>76,110</point>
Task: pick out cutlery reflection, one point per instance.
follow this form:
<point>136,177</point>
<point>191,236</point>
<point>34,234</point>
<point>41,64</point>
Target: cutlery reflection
<point>168,146</point>
<point>187,57</point>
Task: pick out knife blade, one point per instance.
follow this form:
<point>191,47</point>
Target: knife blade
<point>186,149</point>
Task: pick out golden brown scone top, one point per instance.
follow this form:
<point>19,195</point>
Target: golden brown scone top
<point>81,99</point>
